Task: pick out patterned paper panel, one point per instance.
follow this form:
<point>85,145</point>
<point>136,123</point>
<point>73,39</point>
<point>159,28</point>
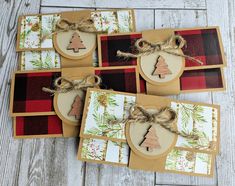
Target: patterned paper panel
<point>104,107</point>
<point>48,23</point>
<point>34,28</point>
<point>113,21</point>
<point>28,95</point>
<point>189,162</point>
<point>109,21</point>
<point>39,60</point>
<point>199,120</point>
<point>202,44</point>
<point>104,150</point>
<point>123,79</point>
<point>30,32</point>
<point>201,79</point>
<point>125,21</point>
<point>110,44</point>
<point>38,125</point>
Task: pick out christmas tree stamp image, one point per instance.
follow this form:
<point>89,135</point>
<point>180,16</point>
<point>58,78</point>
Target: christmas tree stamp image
<point>76,43</point>
<point>150,139</point>
<point>161,68</point>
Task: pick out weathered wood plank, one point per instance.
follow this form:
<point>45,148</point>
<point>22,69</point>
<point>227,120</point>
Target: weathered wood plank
<point>222,13</point>
<point>144,19</point>
<point>151,4</point>
<point>180,19</point>
<point>45,10</point>
<point>114,175</point>
<point>11,151</point>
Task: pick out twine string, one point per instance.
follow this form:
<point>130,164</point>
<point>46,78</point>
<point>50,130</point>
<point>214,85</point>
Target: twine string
<point>145,47</point>
<point>63,85</point>
<point>165,117</point>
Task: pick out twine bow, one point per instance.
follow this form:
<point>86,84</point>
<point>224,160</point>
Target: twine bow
<point>145,47</point>
<point>64,25</point>
<point>164,117</point>
<point>63,85</point>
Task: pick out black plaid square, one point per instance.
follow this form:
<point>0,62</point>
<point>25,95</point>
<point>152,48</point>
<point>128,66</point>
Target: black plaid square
<point>110,44</point>
<point>38,125</point>
<point>28,94</point>
<point>202,44</point>
<point>118,79</point>
<point>201,79</point>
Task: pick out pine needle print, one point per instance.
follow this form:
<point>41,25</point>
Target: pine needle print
<point>103,109</point>
<point>197,120</point>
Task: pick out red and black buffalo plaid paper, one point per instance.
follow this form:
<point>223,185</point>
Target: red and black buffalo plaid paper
<point>38,125</point>
<point>118,79</point>
<point>201,79</point>
<point>28,94</point>
<point>110,44</point>
<point>202,44</point>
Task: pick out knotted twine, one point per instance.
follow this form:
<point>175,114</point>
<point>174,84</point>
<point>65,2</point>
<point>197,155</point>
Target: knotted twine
<point>64,25</point>
<point>145,48</point>
<point>164,117</point>
<point>63,85</point>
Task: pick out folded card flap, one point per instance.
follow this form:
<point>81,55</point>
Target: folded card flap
<point>152,101</point>
<point>138,162</point>
<point>70,130</point>
<point>69,105</point>
<point>77,73</point>
<point>76,16</point>
<point>157,35</point>
<point>83,62</point>
<point>162,68</point>
<point>164,90</point>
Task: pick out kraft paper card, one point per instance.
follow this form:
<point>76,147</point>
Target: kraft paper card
<point>173,152</point>
<point>28,100</point>
<point>165,73</point>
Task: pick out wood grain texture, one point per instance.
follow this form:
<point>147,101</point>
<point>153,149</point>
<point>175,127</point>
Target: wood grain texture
<point>114,175</point>
<point>53,161</point>
<point>10,150</point>
<point>166,4</point>
<point>179,18</point>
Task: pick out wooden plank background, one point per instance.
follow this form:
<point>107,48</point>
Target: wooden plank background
<point>53,161</point>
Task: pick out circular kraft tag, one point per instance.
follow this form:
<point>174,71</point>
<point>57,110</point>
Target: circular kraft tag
<point>74,44</point>
<point>65,102</point>
<point>161,68</point>
<point>149,140</point>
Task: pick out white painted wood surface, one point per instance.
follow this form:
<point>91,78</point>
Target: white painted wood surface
<point>53,161</point>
